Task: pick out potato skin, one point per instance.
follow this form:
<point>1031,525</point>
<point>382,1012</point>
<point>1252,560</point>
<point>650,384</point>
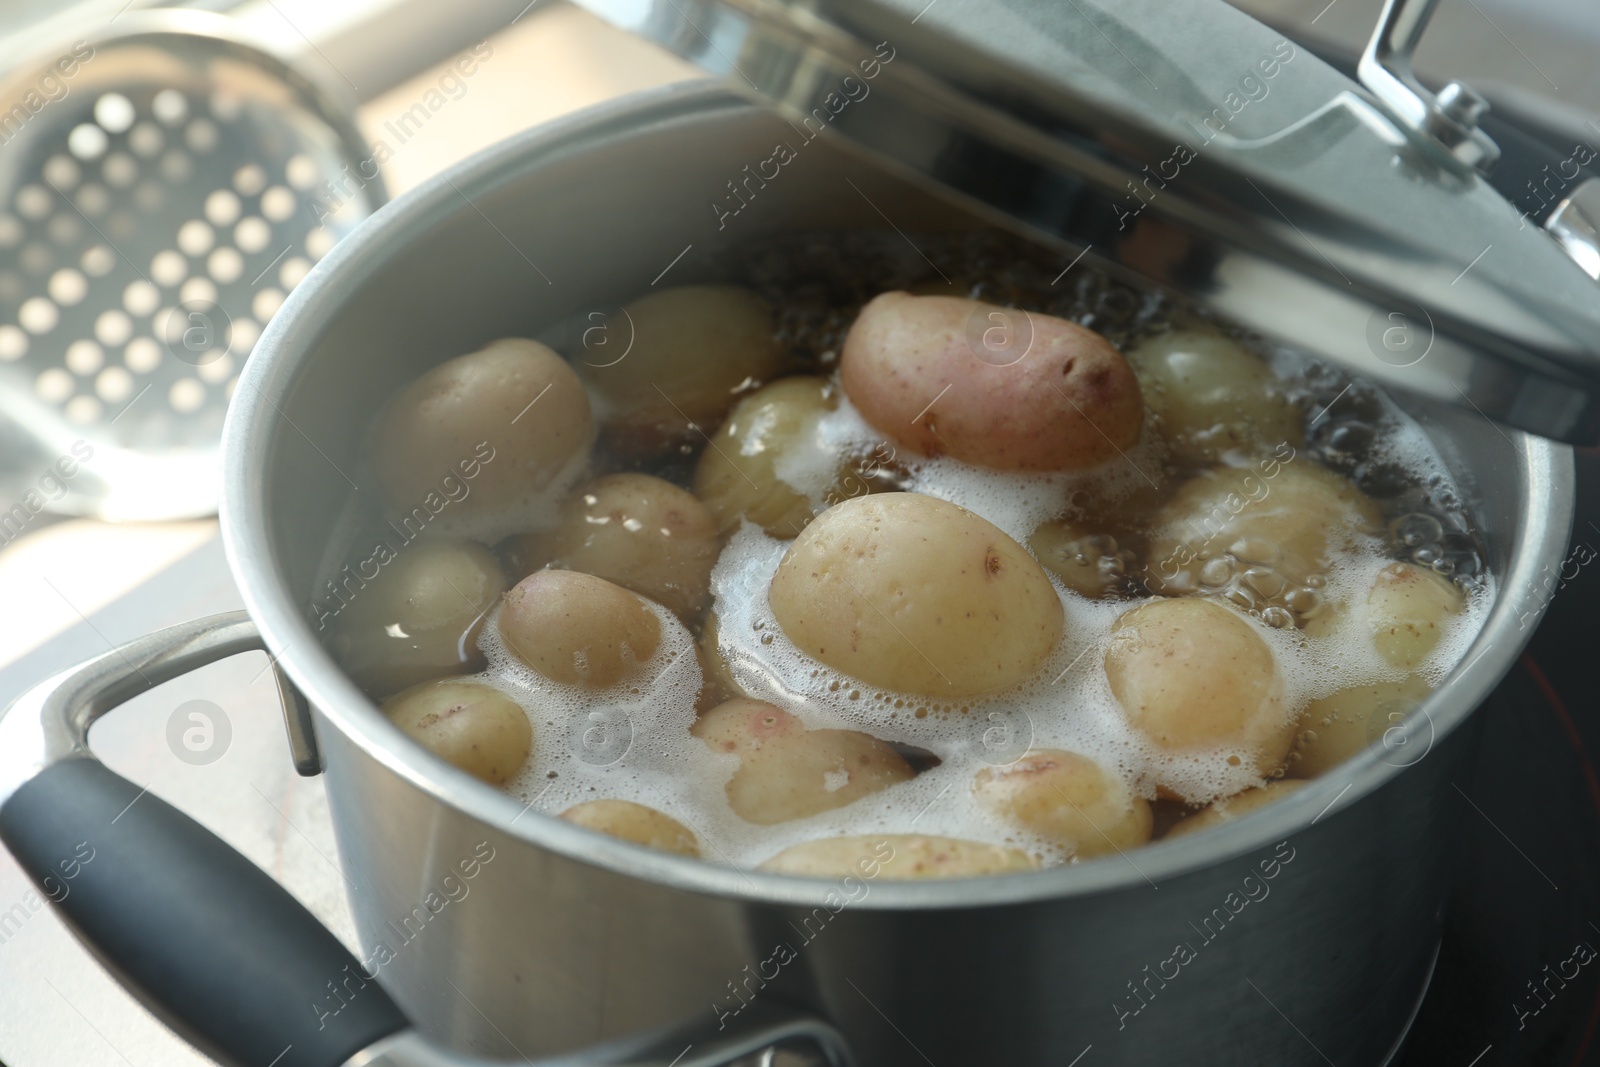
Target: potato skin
<point>635,822</point>
<point>1339,725</point>
<point>695,349</point>
<point>1069,404</point>
<point>1406,608</point>
<point>643,533</point>
<point>1067,798</point>
<point>735,478</point>
<point>788,772</point>
<point>914,594</point>
<point>1292,515</point>
<point>1192,674</point>
<point>1211,397</point>
<point>717,682</point>
<point>421,616</point>
<point>436,426</point>
<point>473,726</point>
<point>898,856</point>
<point>577,629</point>
<point>1230,808</point>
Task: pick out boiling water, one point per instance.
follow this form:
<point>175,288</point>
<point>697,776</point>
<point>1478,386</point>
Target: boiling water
<point>632,742</point>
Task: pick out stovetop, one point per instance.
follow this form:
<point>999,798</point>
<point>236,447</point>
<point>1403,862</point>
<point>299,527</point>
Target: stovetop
<point>1518,977</point>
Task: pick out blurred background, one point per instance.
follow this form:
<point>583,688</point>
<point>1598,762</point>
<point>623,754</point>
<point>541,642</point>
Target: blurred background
<point>73,586</point>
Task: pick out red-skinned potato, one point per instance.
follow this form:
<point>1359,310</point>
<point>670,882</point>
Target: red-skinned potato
<point>992,386</point>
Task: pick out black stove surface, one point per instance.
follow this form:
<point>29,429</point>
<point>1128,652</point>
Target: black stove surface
<point>1518,977</point>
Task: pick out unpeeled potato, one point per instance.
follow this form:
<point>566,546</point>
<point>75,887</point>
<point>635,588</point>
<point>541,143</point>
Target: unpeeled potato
<point>788,772</point>
<point>473,726</point>
<point>694,350</point>
<point>1338,726</point>
<point>502,424</point>
<point>1282,520</point>
<point>635,822</point>
<point>898,856</point>
<point>1192,675</point>
<point>420,617</point>
<point>641,532</point>
<point>577,629</point>
<point>1066,798</point>
<point>914,594</point>
<point>993,386</point>
<point>736,477</point>
<point>1211,397</point>
<point>1407,608</point>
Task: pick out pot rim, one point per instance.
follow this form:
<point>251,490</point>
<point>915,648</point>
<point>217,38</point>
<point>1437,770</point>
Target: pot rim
<point>274,369</point>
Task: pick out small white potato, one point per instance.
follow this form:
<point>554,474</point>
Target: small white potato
<point>695,350</point>
<point>788,772</point>
<point>997,387</point>
<point>577,629</point>
<point>473,726</point>
<point>1407,607</point>
<point>420,617</point>
<point>1089,563</point>
<point>1066,798</point>
<point>1212,397</point>
<point>717,682</point>
<point>464,441</point>
<point>735,477</point>
<point>1192,675</point>
<point>641,532</point>
<point>1338,726</point>
<point>898,856</point>
<point>1229,808</point>
<point>635,822</point>
<point>1258,533</point>
<point>914,594</point>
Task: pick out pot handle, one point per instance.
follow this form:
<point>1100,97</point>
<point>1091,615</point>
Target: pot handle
<point>203,937</point>
<point>207,941</point>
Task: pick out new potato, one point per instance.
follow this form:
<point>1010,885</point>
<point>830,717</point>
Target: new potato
<point>1211,397</point>
<point>1192,675</point>
<point>420,617</point>
<point>736,477</point>
<point>923,370</point>
<point>914,594</point>
<point>473,726</point>
<point>1407,609</point>
<point>788,772</point>
<point>1066,798</point>
<point>1291,517</point>
<point>470,420</point>
<point>577,629</point>
<point>635,822</point>
<point>1338,726</point>
<point>641,532</point>
<point>694,350</point>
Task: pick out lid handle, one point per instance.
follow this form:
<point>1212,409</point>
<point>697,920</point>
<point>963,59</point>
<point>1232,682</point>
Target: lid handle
<point>1445,124</point>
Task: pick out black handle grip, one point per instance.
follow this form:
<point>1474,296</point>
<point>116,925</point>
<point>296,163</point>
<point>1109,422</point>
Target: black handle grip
<point>210,943</point>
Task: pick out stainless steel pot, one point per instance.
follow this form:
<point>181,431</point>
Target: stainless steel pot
<point>1311,925</point>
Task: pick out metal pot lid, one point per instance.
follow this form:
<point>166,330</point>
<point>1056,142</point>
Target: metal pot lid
<point>1200,149</point>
